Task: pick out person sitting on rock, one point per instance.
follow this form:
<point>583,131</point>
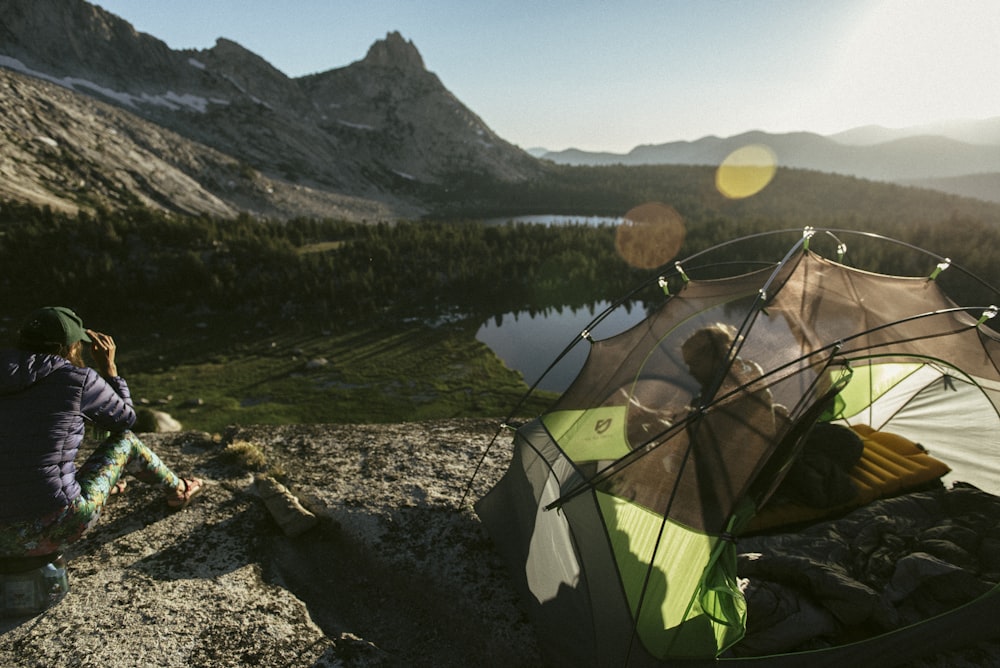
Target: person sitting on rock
<point>47,394</point>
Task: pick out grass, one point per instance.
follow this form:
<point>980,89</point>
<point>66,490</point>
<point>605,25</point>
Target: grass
<point>320,247</point>
<point>217,373</point>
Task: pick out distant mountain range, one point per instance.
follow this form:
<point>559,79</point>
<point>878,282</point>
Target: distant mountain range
<point>981,132</point>
<point>94,113</point>
<point>957,157</point>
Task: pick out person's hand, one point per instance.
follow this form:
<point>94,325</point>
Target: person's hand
<point>102,348</point>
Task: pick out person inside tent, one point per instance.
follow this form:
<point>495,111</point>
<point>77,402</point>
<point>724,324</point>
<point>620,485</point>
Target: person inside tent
<point>47,395</point>
<point>738,420</point>
<point>731,413</point>
<point>706,353</point>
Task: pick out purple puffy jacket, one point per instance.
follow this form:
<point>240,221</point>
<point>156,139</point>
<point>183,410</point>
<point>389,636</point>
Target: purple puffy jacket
<point>44,400</point>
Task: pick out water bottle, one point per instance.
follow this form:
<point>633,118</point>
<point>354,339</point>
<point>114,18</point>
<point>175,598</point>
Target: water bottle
<point>55,582</point>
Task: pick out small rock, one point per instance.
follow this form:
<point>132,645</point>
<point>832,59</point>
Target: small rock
<point>286,510</point>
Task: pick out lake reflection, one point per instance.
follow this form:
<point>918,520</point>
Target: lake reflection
<point>530,343</point>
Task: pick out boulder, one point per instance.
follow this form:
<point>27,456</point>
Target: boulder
<point>316,363</point>
<point>395,571</point>
<point>157,422</point>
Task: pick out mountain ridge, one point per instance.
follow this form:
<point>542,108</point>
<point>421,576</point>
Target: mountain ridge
<point>383,130</point>
<point>379,138</point>
<point>899,159</point>
<point>948,162</point>
<point>82,153</point>
<point>971,131</point>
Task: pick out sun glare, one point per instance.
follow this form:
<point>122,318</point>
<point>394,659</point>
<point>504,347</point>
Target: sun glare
<point>914,62</point>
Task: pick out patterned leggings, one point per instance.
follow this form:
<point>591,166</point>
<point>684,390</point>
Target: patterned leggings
<point>116,455</point>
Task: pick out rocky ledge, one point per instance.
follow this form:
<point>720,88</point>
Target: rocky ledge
<point>377,560</point>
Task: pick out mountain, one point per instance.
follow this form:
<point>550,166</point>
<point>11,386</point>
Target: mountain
<point>70,151</point>
<point>986,131</point>
<point>381,134</point>
<point>906,158</point>
<point>96,113</point>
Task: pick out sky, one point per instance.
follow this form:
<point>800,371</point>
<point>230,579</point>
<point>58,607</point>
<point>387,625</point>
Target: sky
<point>603,75</point>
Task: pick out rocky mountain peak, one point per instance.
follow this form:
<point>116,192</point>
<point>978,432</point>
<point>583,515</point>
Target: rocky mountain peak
<point>380,132</point>
<point>252,75</point>
<point>394,51</point>
<point>235,52</point>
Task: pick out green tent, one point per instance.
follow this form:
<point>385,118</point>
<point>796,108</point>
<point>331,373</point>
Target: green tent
<point>624,507</point>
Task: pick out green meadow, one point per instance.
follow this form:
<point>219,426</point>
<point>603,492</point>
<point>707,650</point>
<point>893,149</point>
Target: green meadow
<point>211,378</point>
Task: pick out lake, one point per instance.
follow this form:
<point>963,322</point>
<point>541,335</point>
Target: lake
<point>549,219</point>
<point>530,343</point>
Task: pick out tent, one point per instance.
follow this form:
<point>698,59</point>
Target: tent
<point>631,506</point>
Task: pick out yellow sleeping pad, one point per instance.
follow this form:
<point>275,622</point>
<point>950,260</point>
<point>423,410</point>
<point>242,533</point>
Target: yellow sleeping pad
<point>889,465</point>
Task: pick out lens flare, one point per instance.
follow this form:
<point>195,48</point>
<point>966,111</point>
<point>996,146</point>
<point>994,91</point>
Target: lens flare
<point>746,171</point>
<point>650,235</point>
